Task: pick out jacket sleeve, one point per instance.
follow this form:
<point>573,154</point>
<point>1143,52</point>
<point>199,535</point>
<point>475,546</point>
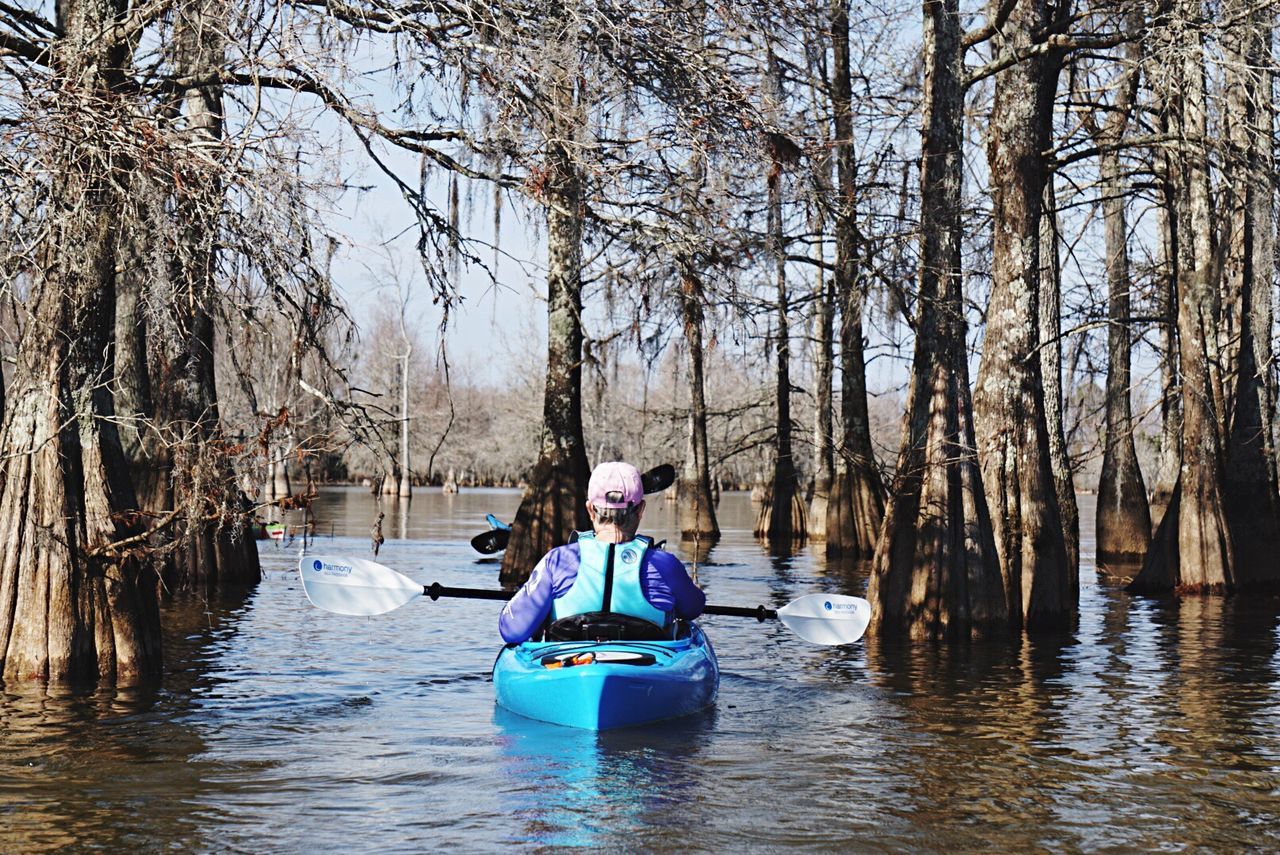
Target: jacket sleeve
<point>526,611</point>
<point>688,599</point>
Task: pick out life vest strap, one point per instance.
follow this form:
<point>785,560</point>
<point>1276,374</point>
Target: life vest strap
<point>608,578</point>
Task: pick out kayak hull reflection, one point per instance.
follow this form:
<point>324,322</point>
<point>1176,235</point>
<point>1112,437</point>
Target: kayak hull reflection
<point>615,683</point>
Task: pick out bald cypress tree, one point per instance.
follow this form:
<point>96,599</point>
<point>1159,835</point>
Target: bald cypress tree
<point>554,503</point>
<point>1013,440</point>
<point>72,603</point>
<point>935,571</point>
<point>855,508</point>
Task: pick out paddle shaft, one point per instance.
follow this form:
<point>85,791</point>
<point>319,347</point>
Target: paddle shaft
<point>435,591</point>
<point>760,613</point>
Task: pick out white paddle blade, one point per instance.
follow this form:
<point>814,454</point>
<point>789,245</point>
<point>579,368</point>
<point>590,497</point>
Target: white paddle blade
<point>353,586</point>
<point>827,618</point>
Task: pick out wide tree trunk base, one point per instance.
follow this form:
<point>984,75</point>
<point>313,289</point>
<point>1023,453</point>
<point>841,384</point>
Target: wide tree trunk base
<point>788,528</point>
<point>697,511</point>
<point>1124,520</point>
<point>214,561</point>
<point>1162,571</point>
<point>935,574</point>
<point>552,508</point>
<point>1252,510</point>
<point>855,510</point>
<point>66,616</point>
<point>818,509</point>
<point>1159,573</point>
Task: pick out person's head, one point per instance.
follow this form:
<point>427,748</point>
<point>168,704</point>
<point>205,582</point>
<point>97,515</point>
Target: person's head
<point>615,500</point>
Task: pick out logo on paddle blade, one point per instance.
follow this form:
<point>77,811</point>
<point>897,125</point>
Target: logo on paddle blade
<point>330,569</point>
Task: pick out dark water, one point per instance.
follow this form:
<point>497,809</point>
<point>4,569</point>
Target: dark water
<point>1155,725</point>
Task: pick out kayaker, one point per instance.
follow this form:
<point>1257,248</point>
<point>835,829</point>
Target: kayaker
<point>608,571</point>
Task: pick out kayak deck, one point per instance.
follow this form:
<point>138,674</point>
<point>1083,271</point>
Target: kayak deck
<point>608,684</point>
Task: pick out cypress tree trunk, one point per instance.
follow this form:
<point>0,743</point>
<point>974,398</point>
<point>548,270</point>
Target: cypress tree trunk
<point>1123,516</point>
<point>856,505</point>
<point>697,506</point>
<point>148,459</point>
<point>1051,369</point>
<point>1264,234</point>
<point>1192,549</point>
<point>1206,557</point>
<point>781,518</point>
<point>935,571</point>
<point>406,478</point>
<point>1174,217</point>
<point>1252,502</point>
<point>215,548</point>
<point>71,605</point>
<point>554,503</point>
<point>1013,440</point>
<point>823,450</point>
<point>824,312</point>
<point>1167,308</point>
<point>1124,519</point>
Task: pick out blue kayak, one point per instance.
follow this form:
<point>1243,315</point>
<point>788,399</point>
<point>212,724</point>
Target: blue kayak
<point>599,685</point>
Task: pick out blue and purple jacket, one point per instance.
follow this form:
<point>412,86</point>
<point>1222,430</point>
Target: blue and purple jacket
<point>663,581</point>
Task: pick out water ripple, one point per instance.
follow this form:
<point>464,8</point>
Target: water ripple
<point>1152,725</point>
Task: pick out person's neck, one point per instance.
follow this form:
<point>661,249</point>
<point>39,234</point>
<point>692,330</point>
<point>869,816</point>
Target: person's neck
<point>613,534</point>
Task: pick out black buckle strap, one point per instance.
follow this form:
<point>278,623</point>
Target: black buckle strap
<point>608,578</point>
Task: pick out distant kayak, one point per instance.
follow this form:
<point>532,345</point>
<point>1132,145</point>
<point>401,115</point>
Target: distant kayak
<point>599,685</point>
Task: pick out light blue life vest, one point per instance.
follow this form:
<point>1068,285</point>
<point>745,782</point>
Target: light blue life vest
<point>625,596</point>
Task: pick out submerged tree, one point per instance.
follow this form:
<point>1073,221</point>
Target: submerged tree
<point>124,185</point>
<point>1050,354</point>
<point>697,502</point>
<point>72,600</point>
<point>1252,497</point>
<point>855,508</point>
<point>213,548</point>
<point>554,503</point>
<point>1173,254</point>
<point>595,171</point>
<point>1192,548</point>
<point>1222,529</point>
<point>1123,515</point>
<point>935,571</point>
<point>1013,441</point>
<point>824,298</point>
<point>781,517</point>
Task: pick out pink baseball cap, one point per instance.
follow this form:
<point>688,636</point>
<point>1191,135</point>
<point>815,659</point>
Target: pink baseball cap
<point>615,485</point>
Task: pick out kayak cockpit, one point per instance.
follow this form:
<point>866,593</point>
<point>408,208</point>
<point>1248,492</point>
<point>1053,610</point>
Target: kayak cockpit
<point>606,684</point>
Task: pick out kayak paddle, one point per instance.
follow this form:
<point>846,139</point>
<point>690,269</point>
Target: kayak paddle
<point>491,541</point>
<point>498,536</point>
<point>658,478</point>
<point>355,586</point>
